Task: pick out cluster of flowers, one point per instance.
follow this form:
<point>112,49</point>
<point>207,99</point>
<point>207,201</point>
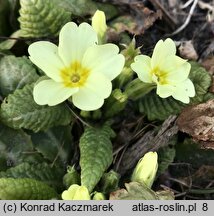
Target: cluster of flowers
<point>81,68</point>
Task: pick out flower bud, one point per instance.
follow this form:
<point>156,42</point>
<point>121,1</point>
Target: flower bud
<point>98,196</point>
<point>109,182</point>
<point>115,103</point>
<point>99,25</point>
<point>136,89</point>
<point>127,73</point>
<point>71,177</point>
<point>146,169</point>
<point>76,192</point>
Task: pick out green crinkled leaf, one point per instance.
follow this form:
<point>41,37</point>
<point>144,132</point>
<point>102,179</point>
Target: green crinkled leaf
<point>166,156</point>
<point>139,191</point>
<point>15,148</point>
<point>54,144</point>
<point>15,72</point>
<point>208,96</point>
<point>88,7</point>
<point>157,108</point>
<point>25,189</point>
<point>19,110</point>
<point>79,7</point>
<point>50,175</point>
<point>190,152</point>
<point>39,18</point>
<point>95,154</point>
<point>202,81</point>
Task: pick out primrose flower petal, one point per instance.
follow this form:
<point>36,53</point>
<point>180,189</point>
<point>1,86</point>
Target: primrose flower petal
<point>76,192</point>
<point>177,68</point>
<point>162,50</point>
<point>51,92</point>
<point>106,56</point>
<point>88,98</point>
<point>168,71</point>
<point>142,66</point>
<point>75,40</point>
<point>165,91</point>
<point>171,63</point>
<point>78,68</point>
<point>184,91</point>
<point>45,55</point>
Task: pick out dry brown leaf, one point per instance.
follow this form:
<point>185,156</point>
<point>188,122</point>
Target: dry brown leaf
<point>198,121</point>
<point>141,19</point>
<point>187,50</point>
<point>139,191</point>
<point>125,23</point>
<point>206,145</point>
<point>167,12</point>
<point>149,17</point>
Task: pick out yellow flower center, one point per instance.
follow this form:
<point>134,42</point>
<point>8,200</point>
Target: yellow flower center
<point>159,76</point>
<point>75,75</point>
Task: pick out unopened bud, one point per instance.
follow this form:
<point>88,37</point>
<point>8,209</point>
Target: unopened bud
<point>98,196</point>
<point>146,169</point>
<point>99,25</point>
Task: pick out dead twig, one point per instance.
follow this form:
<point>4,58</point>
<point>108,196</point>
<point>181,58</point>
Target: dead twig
<point>187,4</point>
<point>181,28</point>
<point>166,14</point>
<point>204,5</point>
<point>12,38</point>
<point>210,8</point>
<point>57,155</point>
<point>149,142</point>
<point>78,117</point>
<point>28,39</point>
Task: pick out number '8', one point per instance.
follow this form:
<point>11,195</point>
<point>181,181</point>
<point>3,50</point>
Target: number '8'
<point>205,207</point>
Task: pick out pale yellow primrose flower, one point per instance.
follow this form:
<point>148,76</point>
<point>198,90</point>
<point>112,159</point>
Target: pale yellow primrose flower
<point>146,168</point>
<point>78,67</point>
<point>99,25</point>
<point>76,192</point>
<point>167,70</point>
